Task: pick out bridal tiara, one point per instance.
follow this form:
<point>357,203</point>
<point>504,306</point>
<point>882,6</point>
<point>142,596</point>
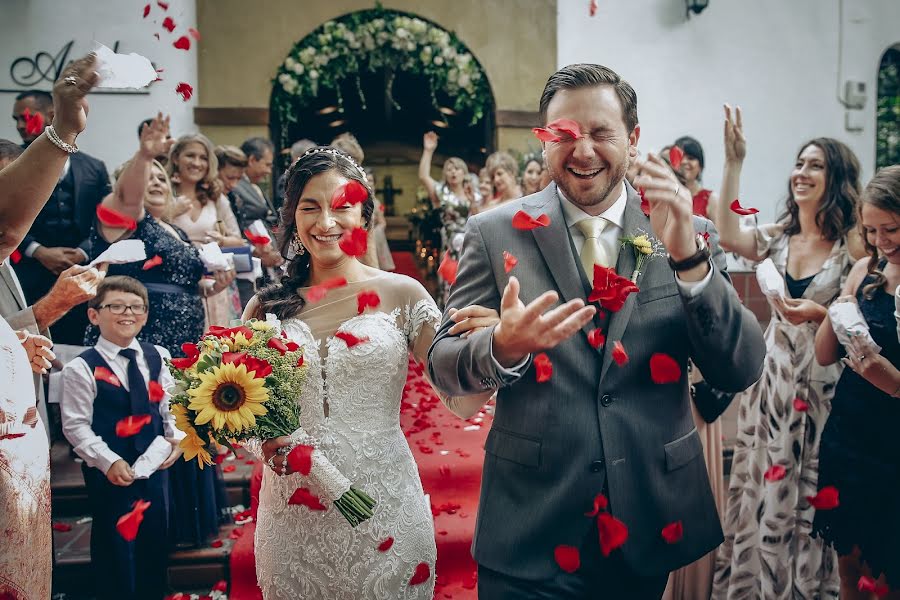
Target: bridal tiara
<point>334,151</point>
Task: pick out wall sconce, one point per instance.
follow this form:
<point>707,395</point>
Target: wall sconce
<point>695,6</point>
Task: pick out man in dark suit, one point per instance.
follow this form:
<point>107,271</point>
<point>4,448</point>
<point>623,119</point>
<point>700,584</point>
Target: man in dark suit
<point>59,236</point>
<point>594,426</point>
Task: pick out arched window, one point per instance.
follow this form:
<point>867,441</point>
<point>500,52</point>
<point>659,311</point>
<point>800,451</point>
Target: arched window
<point>887,137</point>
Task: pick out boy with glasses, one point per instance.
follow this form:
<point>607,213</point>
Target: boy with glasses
<point>108,391</point>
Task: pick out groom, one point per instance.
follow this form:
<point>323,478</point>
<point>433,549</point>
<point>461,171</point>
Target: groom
<point>595,426</point>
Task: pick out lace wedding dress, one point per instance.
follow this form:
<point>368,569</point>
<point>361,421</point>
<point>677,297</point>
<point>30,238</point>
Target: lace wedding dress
<point>350,406</point>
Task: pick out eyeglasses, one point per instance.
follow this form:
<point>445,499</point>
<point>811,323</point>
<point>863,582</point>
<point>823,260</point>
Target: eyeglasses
<point>119,309</point>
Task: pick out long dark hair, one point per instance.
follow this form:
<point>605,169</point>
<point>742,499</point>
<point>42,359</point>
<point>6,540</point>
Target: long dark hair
<point>282,299</point>
<point>883,192</point>
<point>837,209</point>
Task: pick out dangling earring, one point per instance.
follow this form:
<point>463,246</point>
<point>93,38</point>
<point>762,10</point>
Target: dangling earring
<point>297,246</point>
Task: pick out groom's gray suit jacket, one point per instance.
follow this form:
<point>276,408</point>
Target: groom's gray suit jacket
<point>553,446</point>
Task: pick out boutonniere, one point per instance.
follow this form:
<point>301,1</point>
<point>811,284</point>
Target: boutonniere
<point>645,246</point>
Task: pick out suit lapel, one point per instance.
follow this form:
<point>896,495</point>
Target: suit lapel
<point>551,243</point>
<point>634,220</point>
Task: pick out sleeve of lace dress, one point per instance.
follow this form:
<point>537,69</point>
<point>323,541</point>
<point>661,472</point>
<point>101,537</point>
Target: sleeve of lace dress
<point>323,474</point>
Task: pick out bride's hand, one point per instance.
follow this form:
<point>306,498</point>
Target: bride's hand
<point>472,319</point>
<point>275,460</point>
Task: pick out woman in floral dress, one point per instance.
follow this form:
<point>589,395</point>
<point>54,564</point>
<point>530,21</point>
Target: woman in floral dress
<point>768,550</point>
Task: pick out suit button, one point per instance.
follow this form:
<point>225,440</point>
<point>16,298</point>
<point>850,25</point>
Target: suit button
<point>606,400</point>
<point>596,466</point>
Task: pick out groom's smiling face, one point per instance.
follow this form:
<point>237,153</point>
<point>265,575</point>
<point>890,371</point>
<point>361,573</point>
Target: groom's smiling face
<point>590,170</point>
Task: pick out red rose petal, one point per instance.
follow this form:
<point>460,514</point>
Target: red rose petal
<point>826,499</point>
<point>545,135</point>
<point>229,468</point>
<point>300,459</point>
<point>673,532</point>
<point>509,261</point>
<point>596,338</point>
<point>222,585</point>
<point>775,473</point>
<point>34,122</point>
<point>155,391</point>
<point>276,344</point>
<point>612,533</point>
<point>610,289</point>
<point>645,205</point>
<point>354,242</point>
<point>800,405</point>
<point>128,524</point>
<point>115,219</point>
<point>522,220</point>
<point>352,192</point>
<point>256,240</point>
<point>152,262</point>
<point>593,8</point>
<point>366,299</point>
<point>350,339</point>
<point>303,497</point>
<point>448,268</point>
<point>567,557</point>
<point>664,369</point>
<point>163,5</point>
<point>421,574</point>
<point>104,374</point>
<point>567,126</point>
<point>867,584</point>
<point>182,43</point>
<point>62,527</point>
<point>317,292</point>
<point>146,10</point>
<point>15,256</point>
<point>676,155</point>
<point>618,353</point>
<point>185,90</point>
<point>386,545</point>
<point>169,24</point>
<point>192,356</point>
<point>543,367</point>
<point>600,503</point>
<point>737,208</point>
<point>216,544</point>
<point>194,33</point>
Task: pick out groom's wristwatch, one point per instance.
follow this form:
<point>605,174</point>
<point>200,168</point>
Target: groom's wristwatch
<point>700,256</point>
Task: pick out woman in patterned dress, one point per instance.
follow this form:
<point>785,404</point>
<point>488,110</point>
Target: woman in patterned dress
<point>768,551</point>
<point>453,195</point>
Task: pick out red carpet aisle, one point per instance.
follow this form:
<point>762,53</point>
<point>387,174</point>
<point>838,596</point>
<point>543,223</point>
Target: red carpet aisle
<point>449,453</point>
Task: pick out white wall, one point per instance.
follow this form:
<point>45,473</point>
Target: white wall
<point>30,26</point>
<point>778,59</point>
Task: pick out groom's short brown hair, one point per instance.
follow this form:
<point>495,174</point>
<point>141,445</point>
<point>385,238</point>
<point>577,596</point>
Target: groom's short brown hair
<point>588,75</point>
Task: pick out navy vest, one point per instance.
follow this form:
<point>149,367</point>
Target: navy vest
<point>113,403</point>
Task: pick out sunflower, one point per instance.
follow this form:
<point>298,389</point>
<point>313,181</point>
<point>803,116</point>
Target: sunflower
<point>191,443</point>
<point>228,396</point>
<point>237,342</point>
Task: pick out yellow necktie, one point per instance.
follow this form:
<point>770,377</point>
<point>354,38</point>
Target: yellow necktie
<point>592,251</point>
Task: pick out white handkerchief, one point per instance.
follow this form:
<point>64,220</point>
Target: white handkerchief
<point>123,71</point>
<point>126,251</point>
<point>148,462</point>
<point>771,283</point>
<point>257,228</point>
<point>213,258</point>
<point>848,322</point>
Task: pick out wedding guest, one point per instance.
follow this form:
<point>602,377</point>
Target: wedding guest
<point>251,202</point>
<point>162,158</point>
<point>858,454</point>
<point>503,171</point>
<point>25,185</point>
<point>531,175</point>
<point>768,547</point>
<point>58,237</point>
<point>692,169</point>
<point>451,197</point>
<point>379,225</point>
<point>193,169</point>
<point>485,187</point>
<point>92,408</point>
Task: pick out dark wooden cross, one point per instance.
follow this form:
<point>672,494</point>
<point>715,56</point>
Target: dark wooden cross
<point>388,192</point>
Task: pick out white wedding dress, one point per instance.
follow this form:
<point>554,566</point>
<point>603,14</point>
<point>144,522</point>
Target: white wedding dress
<point>350,405</point>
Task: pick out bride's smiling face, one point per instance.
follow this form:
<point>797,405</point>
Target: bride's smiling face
<point>320,226</point>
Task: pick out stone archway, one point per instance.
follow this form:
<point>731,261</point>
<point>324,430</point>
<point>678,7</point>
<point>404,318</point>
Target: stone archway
<point>386,76</point>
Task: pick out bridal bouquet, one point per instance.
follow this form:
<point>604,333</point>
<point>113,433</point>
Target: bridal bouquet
<point>240,384</point>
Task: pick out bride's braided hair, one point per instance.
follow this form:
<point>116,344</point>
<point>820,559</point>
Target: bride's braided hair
<point>282,299</point>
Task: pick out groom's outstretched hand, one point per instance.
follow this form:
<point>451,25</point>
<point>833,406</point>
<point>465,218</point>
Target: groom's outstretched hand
<point>523,329</point>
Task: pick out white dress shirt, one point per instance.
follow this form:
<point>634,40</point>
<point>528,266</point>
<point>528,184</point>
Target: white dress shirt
<point>611,234</point>
<point>80,393</point>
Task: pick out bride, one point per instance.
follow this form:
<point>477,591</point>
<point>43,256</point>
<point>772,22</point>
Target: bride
<point>356,339</point>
